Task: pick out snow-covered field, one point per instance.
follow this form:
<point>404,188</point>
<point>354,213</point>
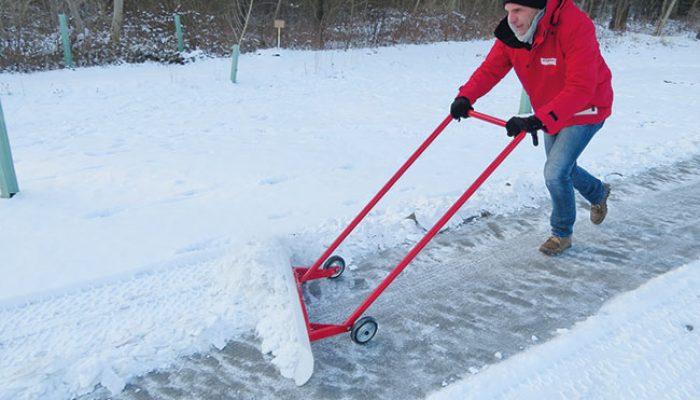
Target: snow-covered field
<point>157,201</point>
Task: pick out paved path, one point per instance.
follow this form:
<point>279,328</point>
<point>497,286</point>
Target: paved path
<point>476,295</point>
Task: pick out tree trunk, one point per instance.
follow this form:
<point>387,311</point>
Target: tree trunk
<point>590,8</point>
<point>277,9</point>
<point>245,24</point>
<point>620,14</point>
<point>319,16</point>
<point>117,19</point>
<point>664,3</point>
<point>415,7</point>
<point>75,15</point>
<point>348,39</point>
<point>664,17</point>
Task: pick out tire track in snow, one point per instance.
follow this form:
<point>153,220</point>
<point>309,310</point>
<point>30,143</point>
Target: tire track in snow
<point>102,333</point>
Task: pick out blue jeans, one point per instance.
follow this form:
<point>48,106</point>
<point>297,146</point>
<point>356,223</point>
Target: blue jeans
<point>562,175</point>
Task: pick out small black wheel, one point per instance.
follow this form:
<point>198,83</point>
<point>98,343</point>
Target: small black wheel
<point>335,261</point>
<point>363,330</point>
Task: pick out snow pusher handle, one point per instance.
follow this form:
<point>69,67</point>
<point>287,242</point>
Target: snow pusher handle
<point>311,273</point>
<point>320,331</point>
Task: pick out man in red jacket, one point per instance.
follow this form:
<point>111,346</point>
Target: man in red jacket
<point>553,48</point>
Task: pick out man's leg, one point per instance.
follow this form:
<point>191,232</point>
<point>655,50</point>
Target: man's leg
<point>562,174</point>
<point>590,187</point>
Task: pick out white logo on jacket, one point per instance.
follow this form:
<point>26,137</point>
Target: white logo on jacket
<point>548,61</point>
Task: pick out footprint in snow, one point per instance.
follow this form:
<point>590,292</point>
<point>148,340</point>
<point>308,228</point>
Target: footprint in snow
<point>278,216</point>
<point>103,213</point>
<point>274,180</point>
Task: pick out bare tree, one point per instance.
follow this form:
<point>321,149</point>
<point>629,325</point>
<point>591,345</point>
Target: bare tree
<point>74,8</point>
<point>664,17</point>
<point>323,13</point>
<point>277,9</point>
<point>695,13</point>
<point>319,19</point>
<point>117,19</point>
<point>415,7</point>
<point>245,23</point>
<point>621,12</point>
<point>217,24</point>
<point>590,7</point>
<point>237,17</point>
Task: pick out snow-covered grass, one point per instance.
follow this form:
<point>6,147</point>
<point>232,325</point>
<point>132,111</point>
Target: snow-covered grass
<point>134,176</point>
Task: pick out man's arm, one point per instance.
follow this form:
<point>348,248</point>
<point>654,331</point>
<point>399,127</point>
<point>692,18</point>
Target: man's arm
<point>490,72</point>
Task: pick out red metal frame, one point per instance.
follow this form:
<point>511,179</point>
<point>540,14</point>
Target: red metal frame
<point>301,274</point>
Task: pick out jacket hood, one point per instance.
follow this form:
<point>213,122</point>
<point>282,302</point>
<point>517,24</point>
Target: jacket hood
<point>551,18</point>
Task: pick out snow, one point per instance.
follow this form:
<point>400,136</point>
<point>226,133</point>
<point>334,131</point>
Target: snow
<point>157,203</point>
<point>265,267</point>
<point>641,345</point>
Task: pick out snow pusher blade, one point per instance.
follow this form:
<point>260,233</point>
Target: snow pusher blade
<point>362,330</point>
<point>303,366</point>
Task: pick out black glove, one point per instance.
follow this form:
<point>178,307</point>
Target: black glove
<point>529,124</point>
<point>460,108</point>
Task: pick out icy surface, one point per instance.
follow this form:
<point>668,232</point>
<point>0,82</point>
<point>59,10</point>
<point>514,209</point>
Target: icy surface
<point>148,191</point>
<point>641,345</point>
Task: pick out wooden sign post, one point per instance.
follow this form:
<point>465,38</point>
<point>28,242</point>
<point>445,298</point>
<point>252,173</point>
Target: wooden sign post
<point>279,24</point>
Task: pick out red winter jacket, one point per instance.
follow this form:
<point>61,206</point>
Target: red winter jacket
<point>563,71</point>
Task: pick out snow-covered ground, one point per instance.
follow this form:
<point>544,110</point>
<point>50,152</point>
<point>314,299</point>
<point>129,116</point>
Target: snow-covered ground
<point>157,201</point>
<point>643,344</point>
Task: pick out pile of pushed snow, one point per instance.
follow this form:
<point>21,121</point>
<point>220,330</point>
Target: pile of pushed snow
<point>261,274</point>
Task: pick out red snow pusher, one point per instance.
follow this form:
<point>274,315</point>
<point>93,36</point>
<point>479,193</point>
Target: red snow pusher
<point>363,329</point>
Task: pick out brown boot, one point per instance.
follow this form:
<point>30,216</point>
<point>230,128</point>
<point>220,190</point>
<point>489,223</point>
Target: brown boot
<point>555,245</point>
<point>600,210</point>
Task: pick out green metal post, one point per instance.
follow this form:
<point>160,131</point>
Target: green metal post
<point>178,32</point>
<point>525,106</point>
<point>234,62</point>
<point>67,55</point>
<point>8,179</point>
